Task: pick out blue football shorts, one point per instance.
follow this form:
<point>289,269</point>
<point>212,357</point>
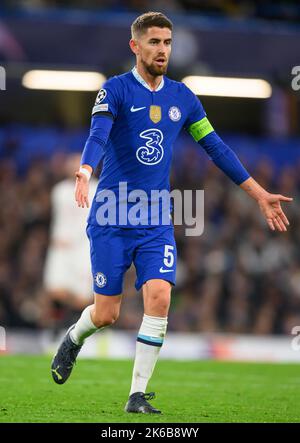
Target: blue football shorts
<point>113,249</point>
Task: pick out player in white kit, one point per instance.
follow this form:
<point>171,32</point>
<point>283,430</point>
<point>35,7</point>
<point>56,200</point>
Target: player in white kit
<point>67,273</point>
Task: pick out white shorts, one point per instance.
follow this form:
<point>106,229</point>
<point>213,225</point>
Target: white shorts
<point>68,268</point>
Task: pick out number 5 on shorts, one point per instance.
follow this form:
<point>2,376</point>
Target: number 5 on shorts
<point>169,256</point>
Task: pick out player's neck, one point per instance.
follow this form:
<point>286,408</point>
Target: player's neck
<point>152,81</point>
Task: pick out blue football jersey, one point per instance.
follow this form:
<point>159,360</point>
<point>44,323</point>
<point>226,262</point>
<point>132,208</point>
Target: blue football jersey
<point>139,150</point>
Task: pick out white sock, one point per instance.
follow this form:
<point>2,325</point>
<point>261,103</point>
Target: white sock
<point>84,327</point>
<point>149,341</point>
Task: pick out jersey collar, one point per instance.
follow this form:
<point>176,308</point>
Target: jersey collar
<point>140,79</point>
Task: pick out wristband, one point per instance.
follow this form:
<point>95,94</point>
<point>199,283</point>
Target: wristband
<point>85,172</point>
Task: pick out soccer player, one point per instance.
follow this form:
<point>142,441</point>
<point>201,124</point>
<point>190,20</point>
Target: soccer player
<point>68,252</point>
<point>136,118</point>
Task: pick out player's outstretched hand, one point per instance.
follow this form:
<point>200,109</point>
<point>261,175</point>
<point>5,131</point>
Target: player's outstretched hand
<point>271,209</point>
<point>82,190</point>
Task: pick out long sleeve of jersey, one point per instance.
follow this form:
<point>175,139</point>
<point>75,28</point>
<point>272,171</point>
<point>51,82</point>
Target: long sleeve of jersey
<point>198,125</point>
<point>224,157</point>
<point>99,133</point>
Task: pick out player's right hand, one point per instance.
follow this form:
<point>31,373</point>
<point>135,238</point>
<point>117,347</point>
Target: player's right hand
<point>82,190</point>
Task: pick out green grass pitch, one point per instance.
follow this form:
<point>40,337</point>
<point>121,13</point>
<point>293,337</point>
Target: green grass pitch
<point>198,391</point>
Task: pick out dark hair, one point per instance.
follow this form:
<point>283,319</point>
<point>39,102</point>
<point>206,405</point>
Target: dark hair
<point>147,20</point>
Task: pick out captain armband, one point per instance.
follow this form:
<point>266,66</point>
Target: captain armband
<point>200,129</point>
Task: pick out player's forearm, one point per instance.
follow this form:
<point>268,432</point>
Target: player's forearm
<point>224,158</point>
<point>253,189</point>
<point>92,154</point>
<point>87,170</point>
<point>88,167</point>
<point>94,147</point>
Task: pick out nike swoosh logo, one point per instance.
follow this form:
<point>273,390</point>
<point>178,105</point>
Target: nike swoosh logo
<point>165,270</point>
<point>133,109</point>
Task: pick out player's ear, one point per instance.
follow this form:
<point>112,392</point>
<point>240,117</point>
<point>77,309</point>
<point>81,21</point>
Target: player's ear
<point>134,46</point>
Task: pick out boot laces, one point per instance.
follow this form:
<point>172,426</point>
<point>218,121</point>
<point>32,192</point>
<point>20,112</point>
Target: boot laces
<point>149,396</point>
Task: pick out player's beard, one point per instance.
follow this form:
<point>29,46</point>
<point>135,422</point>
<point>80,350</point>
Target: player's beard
<point>155,70</point>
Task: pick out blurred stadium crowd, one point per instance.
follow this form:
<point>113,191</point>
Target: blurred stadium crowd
<point>287,10</point>
<point>236,277</point>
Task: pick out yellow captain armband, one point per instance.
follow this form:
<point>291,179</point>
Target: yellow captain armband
<point>200,129</point>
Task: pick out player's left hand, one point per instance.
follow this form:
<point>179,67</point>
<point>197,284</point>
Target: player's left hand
<point>270,207</point>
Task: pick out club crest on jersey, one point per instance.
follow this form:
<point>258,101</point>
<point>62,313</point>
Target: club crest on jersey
<point>155,113</point>
<point>174,114</point>
<point>100,279</point>
<point>153,152</point>
<point>100,96</point>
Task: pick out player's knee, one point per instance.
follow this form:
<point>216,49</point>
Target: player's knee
<point>105,319</point>
<point>160,300</point>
